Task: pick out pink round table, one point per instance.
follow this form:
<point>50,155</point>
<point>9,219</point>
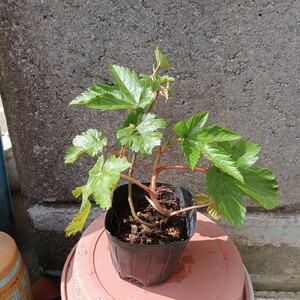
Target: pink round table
<point>210,268</point>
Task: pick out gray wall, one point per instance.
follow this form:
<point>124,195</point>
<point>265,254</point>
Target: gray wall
<point>237,59</point>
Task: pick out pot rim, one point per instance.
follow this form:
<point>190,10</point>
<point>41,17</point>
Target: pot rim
<point>190,231</point>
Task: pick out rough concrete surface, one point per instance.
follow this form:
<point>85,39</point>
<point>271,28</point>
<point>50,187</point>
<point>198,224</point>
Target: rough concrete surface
<point>270,248</point>
<point>277,295</point>
<point>237,59</point>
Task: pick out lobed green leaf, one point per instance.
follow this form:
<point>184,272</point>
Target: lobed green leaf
<point>79,219</point>
<point>89,142</point>
<point>221,159</point>
<point>244,153</point>
<point>144,136</point>
<point>134,117</point>
<point>192,127</point>
<point>72,154</point>
<point>261,186</point>
<point>130,92</point>
<point>161,59</point>
<point>181,129</point>
<point>217,133</point>
<point>104,178</point>
<point>189,132</point>
<point>191,152</point>
<point>137,93</point>
<point>92,93</point>
<point>223,189</point>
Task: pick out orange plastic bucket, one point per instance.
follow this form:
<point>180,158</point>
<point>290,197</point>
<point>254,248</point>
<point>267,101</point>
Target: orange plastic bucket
<point>14,279</point>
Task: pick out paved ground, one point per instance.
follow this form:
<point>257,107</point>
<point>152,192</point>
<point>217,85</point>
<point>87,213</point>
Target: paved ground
<point>21,231</point>
<point>277,295</point>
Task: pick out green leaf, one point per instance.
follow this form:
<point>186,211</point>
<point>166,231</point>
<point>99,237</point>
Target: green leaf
<point>244,153</point>
<point>147,80</point>
<point>129,93</point>
<point>92,93</point>
<point>189,132</point>
<point>161,59</point>
<point>103,97</point>
<point>165,79</point>
<point>104,178</point>
<point>89,142</point>
<point>191,152</point>
<point>112,101</point>
<point>132,88</point>
<point>223,189</point>
<point>142,137</point>
<point>195,124</point>
<point>79,219</point>
<point>72,154</point>
<point>217,133</point>
<point>221,159</point>
<point>77,192</point>
<point>155,84</point>
<point>180,129</point>
<point>261,186</point>
<point>192,127</point>
<point>134,117</point>
<point>127,80</point>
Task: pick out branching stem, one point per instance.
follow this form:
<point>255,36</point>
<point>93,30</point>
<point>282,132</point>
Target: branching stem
<point>130,173</point>
<point>154,202</point>
<point>112,150</point>
<point>170,144</point>
<point>153,102</point>
<point>180,167</point>
<point>177,212</point>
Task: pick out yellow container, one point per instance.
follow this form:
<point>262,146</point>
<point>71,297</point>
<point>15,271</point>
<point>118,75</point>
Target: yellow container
<point>14,279</point>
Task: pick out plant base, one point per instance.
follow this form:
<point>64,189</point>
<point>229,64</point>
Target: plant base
<point>210,268</point>
<point>145,264</point>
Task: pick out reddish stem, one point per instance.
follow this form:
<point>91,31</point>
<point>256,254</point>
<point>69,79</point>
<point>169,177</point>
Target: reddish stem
<point>152,194</point>
<point>180,167</point>
<point>177,212</point>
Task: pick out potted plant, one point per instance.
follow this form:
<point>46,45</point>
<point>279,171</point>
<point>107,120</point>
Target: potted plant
<point>149,217</point>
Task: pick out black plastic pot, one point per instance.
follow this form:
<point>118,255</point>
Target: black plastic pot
<point>146,264</point>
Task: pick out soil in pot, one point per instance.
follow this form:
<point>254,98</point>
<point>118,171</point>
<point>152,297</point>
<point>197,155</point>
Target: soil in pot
<point>142,254</point>
<point>164,231</point>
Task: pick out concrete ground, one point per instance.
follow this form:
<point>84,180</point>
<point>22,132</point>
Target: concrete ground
<point>24,236</point>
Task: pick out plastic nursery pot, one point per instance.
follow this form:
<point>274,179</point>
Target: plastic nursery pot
<point>145,264</point>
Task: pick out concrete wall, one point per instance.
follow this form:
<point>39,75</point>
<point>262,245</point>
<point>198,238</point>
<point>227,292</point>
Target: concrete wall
<point>237,59</point>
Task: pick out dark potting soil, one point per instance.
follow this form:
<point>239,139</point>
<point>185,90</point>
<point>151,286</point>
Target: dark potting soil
<point>165,231</point>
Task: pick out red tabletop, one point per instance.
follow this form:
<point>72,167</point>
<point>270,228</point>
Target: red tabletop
<point>210,268</point>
